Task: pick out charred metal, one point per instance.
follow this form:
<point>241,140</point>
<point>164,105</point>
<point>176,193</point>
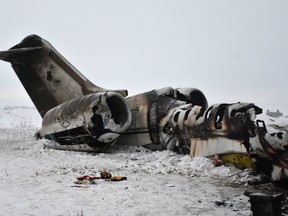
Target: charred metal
<point>79,115</point>
<point>96,120</point>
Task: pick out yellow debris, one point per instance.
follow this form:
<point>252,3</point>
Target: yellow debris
<point>237,159</point>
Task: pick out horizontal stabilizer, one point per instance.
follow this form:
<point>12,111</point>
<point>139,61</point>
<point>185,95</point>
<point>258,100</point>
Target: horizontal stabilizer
<point>20,55</point>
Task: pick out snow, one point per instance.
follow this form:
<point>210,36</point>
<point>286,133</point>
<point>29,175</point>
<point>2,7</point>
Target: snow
<point>281,121</point>
<point>38,181</point>
<point>11,117</point>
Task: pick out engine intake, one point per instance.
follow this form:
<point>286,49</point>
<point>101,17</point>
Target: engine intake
<point>96,119</point>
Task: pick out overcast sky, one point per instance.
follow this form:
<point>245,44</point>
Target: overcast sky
<point>231,50</point>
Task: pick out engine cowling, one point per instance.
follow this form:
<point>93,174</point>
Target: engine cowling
<point>96,120</point>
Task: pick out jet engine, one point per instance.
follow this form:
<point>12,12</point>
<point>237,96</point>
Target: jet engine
<point>95,120</point>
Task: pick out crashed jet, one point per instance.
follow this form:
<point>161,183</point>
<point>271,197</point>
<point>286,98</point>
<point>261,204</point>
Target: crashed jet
<point>79,115</point>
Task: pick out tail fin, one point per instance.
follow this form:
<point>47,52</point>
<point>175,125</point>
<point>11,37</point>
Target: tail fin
<point>47,76</point>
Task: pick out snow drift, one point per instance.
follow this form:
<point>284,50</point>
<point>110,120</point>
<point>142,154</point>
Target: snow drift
<point>39,181</point>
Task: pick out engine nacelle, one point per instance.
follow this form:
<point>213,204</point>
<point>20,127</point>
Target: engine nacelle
<point>96,120</point>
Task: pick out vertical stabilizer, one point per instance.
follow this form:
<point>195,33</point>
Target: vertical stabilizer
<point>47,76</point>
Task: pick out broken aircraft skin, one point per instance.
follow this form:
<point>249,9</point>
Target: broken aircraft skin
<point>78,115</point>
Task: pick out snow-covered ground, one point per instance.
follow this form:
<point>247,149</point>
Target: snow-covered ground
<point>38,181</point>
<point>19,117</point>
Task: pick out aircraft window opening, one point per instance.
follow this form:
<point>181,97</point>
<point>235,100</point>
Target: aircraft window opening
<point>176,116</point>
<point>218,120</point>
<point>208,112</point>
<point>200,114</point>
<point>187,114</point>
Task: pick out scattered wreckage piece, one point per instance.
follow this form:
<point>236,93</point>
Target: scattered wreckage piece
<point>270,151</point>
<point>266,204</point>
<point>92,180</point>
<point>239,160</point>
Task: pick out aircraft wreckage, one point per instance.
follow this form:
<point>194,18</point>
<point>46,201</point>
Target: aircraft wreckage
<point>78,115</point>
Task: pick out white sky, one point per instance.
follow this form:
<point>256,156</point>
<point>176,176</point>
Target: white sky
<point>231,50</point>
